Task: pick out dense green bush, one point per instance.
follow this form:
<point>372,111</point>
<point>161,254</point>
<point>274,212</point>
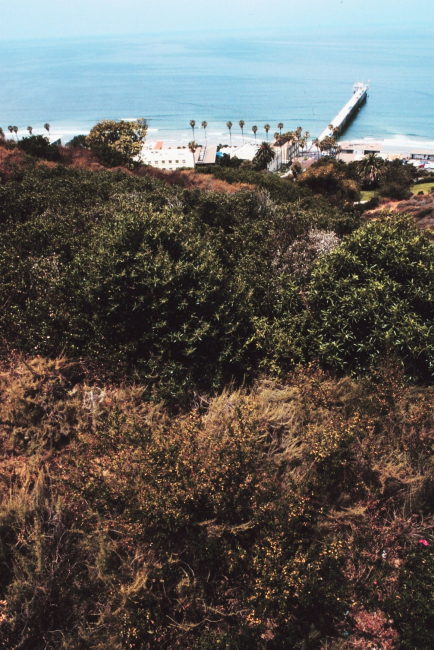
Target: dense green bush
<point>279,189</point>
<point>186,288</point>
<point>77,141</point>
<point>412,604</point>
<point>332,179</point>
<point>39,147</point>
<point>374,296</point>
<point>180,286</point>
<point>135,273</point>
<point>396,180</point>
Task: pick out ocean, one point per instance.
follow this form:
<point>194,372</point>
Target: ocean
<point>298,77</point>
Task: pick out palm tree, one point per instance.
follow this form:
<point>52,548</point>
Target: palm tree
<point>264,156</point>
<point>267,128</point>
<point>47,127</point>
<point>192,124</point>
<point>370,168</point>
<point>279,141</point>
<point>193,146</point>
<point>2,134</point>
<point>242,123</point>
<point>204,125</point>
<point>255,130</point>
<point>30,129</point>
<point>10,129</point>
<point>292,138</point>
<point>329,144</point>
<point>16,132</point>
<point>280,127</point>
<point>316,144</point>
<point>229,125</point>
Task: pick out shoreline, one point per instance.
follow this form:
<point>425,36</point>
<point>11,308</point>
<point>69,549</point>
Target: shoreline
<point>173,138</point>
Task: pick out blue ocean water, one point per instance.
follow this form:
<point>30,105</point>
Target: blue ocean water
<point>293,77</point>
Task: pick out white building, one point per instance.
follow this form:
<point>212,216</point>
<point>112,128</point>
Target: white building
<point>167,158</point>
<point>284,154</point>
<point>422,154</point>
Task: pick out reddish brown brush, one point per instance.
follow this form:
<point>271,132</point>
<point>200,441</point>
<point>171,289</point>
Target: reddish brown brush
<point>421,207</point>
<point>190,179</point>
<point>11,161</point>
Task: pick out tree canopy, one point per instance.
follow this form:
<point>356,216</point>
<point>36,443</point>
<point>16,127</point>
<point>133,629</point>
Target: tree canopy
<point>117,143</point>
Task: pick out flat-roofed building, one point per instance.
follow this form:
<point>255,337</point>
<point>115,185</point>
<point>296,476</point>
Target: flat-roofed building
<point>167,158</point>
<point>206,156</point>
<point>360,149</point>
<point>284,153</point>
<point>422,154</point>
<point>346,157</point>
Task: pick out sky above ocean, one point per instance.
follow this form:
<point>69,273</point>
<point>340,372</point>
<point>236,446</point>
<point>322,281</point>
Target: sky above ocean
<point>298,77</point>
<point>79,18</point>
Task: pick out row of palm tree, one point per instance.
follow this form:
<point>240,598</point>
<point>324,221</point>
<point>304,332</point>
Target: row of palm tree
<point>14,129</point>
<point>329,143</point>
<point>241,125</point>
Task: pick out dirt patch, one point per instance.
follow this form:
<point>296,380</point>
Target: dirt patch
<point>421,207</point>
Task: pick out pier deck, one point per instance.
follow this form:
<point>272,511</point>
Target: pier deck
<point>360,93</point>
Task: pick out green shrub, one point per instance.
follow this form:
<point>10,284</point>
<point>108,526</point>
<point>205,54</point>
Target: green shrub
<point>412,603</point>
<point>373,296</point>
<point>332,179</point>
<point>396,180</point>
<point>39,147</point>
<point>77,141</point>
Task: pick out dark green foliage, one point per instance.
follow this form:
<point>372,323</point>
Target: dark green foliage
<point>144,277</point>
<point>279,189</point>
<point>373,296</point>
<point>227,161</point>
<point>264,156</point>
<point>372,203</point>
<point>39,147</point>
<point>184,288</point>
<point>412,603</point>
<point>77,141</point>
<point>36,190</point>
<point>396,180</point>
<point>332,179</point>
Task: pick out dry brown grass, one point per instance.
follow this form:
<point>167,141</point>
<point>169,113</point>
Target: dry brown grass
<point>11,161</point>
<point>361,450</point>
<point>191,179</point>
<point>420,207</point>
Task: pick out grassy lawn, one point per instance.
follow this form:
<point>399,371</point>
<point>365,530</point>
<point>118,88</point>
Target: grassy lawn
<point>367,195</point>
<point>421,187</point>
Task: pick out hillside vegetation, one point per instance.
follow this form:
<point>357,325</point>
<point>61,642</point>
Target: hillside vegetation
<point>216,411</point>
